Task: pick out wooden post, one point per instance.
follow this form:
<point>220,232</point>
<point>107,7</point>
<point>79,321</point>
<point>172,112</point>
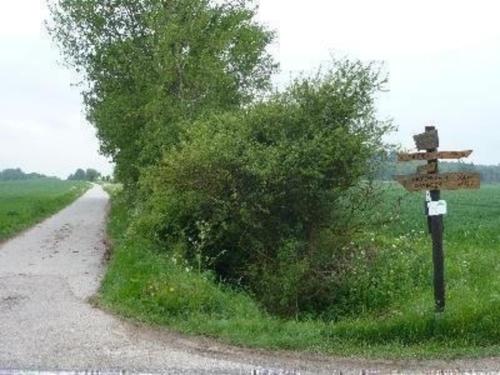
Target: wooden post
<point>436,229</point>
<point>429,179</point>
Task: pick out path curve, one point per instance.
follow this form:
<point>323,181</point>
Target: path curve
<point>47,275</point>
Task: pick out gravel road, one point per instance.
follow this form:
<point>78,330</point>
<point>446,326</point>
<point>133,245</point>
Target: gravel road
<point>47,275</point>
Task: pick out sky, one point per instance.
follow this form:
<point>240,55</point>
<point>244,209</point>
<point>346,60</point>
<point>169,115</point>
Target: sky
<point>442,58</point>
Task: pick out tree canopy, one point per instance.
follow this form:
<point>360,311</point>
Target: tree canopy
<point>149,65</point>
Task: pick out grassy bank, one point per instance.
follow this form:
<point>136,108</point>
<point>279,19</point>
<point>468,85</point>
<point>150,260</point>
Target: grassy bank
<point>25,203</point>
<point>147,285</point>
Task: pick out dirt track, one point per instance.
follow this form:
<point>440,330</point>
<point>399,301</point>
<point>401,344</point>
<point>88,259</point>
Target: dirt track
<point>46,277</point>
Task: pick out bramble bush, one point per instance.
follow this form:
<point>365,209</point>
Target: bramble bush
<point>271,197</point>
<point>268,191</point>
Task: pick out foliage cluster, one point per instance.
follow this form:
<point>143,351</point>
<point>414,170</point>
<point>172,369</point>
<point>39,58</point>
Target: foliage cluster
<point>271,197</point>
<point>267,190</point>
<point>149,65</point>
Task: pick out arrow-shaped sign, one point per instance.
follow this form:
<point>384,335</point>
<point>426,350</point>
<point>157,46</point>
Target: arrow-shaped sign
<point>449,181</point>
<point>433,155</point>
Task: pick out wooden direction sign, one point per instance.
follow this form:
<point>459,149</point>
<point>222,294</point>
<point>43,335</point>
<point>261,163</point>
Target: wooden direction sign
<point>433,155</point>
<point>430,167</point>
<point>428,178</point>
<point>448,181</point>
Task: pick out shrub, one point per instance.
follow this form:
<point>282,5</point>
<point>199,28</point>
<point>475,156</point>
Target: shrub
<point>269,198</point>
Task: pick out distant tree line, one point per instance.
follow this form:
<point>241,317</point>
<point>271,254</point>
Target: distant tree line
<point>16,174</point>
<point>489,173</point>
<point>85,175</point>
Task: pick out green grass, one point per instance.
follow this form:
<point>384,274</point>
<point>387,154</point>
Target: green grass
<point>146,285</point>
<point>25,203</point>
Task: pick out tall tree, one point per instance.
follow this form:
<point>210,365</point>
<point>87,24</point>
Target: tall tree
<point>150,65</point>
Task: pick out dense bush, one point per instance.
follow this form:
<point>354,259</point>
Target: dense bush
<point>271,197</point>
<point>268,194</point>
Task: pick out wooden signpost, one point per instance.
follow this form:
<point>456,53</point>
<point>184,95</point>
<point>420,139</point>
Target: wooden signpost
<point>429,179</point>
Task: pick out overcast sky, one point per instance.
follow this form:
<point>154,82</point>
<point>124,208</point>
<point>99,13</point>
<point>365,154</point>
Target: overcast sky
<point>443,60</point>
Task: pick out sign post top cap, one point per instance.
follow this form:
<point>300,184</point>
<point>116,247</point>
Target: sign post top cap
<point>428,140</point>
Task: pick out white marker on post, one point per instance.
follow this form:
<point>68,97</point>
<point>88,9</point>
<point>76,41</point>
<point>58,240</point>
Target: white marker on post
<point>437,208</point>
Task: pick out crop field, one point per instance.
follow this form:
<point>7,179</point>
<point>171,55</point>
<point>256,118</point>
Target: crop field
<point>144,284</point>
<point>470,325</point>
<point>25,203</point>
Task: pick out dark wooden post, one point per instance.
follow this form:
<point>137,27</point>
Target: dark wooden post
<point>429,179</point>
<point>436,229</point>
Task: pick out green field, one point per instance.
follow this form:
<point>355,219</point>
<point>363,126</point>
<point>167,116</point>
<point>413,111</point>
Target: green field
<point>145,285</point>
<point>25,203</point>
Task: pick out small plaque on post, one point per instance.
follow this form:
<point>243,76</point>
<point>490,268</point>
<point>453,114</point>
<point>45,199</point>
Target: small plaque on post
<point>437,208</point>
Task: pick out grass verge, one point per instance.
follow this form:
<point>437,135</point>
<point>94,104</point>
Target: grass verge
<point>147,285</point>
